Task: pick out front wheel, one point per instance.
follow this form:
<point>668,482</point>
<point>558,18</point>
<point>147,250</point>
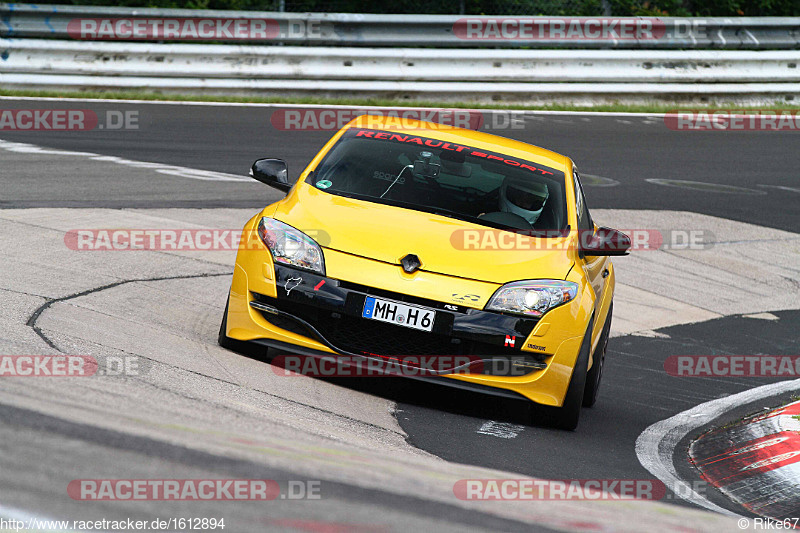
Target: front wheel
<point>245,348</point>
<point>599,359</point>
<point>566,417</point>
<point>223,339</point>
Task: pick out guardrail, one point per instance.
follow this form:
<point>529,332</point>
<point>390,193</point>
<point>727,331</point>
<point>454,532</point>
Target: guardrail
<point>373,57</point>
<point>114,60</point>
<point>342,29</point>
<point>582,77</point>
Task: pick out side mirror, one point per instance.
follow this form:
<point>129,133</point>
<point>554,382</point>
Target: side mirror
<point>604,241</point>
<point>272,172</point>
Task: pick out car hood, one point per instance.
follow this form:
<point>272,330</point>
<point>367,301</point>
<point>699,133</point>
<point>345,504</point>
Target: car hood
<point>388,233</point>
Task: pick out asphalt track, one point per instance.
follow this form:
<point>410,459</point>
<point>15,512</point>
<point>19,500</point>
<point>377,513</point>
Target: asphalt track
<point>74,449</point>
<point>636,392</point>
<point>227,139</point>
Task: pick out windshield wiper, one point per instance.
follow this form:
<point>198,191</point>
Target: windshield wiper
<point>452,214</point>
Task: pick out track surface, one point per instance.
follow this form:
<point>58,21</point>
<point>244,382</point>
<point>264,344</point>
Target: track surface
<point>58,452</point>
<point>228,138</point>
<point>636,392</point>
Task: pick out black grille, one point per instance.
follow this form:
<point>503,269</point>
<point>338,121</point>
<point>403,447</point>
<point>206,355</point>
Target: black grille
<point>370,337</point>
<point>289,324</point>
<point>381,293</point>
<point>360,335</point>
<point>356,335</point>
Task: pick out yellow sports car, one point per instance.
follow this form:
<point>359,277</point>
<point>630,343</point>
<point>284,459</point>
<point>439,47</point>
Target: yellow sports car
<point>405,239</point>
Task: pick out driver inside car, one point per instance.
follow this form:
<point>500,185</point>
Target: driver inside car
<point>523,198</point>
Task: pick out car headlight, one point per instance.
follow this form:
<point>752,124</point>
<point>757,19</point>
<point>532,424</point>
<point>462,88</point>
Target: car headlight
<point>291,246</point>
<point>532,297</point>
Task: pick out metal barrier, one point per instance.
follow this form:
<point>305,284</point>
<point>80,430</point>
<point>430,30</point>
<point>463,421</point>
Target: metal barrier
<point>585,77</point>
<point>369,61</point>
<point>143,60</point>
<point>342,29</point>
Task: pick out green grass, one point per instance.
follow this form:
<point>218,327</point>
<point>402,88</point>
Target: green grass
<point>356,102</point>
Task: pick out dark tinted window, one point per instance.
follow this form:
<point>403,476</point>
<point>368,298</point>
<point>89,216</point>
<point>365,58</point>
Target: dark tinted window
<point>584,218</point>
<point>454,180</point>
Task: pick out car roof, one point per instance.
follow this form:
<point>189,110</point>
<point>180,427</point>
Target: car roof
<point>476,139</point>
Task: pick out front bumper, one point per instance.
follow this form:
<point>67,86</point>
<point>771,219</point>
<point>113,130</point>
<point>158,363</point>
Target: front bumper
<point>321,316</point>
<point>329,311</point>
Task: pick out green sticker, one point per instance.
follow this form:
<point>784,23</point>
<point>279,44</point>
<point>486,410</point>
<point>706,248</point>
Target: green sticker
<point>324,184</point>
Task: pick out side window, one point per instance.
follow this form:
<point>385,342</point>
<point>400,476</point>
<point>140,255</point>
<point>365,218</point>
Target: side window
<point>584,219</point>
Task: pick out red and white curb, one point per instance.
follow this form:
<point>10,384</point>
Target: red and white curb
<point>755,462</point>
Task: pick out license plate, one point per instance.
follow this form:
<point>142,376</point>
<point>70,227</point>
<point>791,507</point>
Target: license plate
<point>399,314</point>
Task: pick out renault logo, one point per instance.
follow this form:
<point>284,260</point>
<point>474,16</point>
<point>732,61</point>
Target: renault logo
<point>411,263</point>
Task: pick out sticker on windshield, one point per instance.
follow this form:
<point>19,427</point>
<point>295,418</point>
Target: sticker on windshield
<point>323,184</point>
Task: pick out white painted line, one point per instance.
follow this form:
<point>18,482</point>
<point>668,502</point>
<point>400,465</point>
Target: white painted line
<point>703,186</point>
<point>655,447</point>
<point>789,422</point>
<point>762,316</point>
<point>593,180</point>
<point>502,430</point>
<point>161,168</point>
<point>781,188</point>
<point>650,333</point>
<point>325,106</point>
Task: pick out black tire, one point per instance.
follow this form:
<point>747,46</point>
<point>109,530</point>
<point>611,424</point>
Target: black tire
<point>242,347</point>
<point>223,339</point>
<point>566,417</point>
<point>595,373</point>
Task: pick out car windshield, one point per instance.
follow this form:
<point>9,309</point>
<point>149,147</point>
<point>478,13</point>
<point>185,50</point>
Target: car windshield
<point>449,179</point>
